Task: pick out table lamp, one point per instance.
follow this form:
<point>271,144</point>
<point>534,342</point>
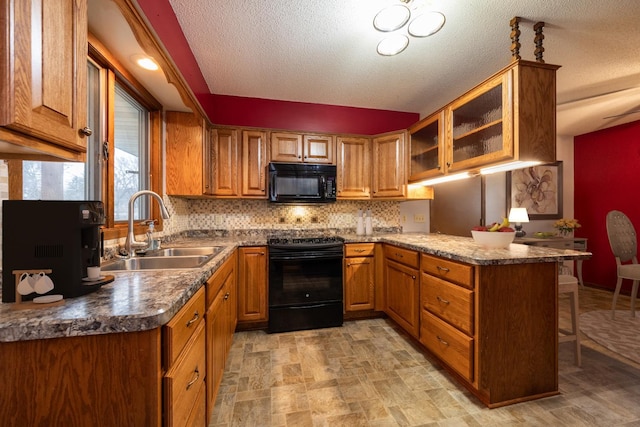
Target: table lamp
<point>518,216</point>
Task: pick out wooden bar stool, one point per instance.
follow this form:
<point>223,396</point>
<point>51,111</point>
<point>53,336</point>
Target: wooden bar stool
<point>568,284</point>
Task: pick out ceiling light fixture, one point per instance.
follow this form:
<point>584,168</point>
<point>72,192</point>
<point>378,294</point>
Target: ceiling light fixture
<point>395,17</point>
<point>145,62</point>
<point>393,45</point>
<point>391,18</point>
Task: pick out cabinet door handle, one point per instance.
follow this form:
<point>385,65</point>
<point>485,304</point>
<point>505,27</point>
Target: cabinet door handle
<point>442,300</point>
<point>86,131</point>
<point>348,265</point>
<point>398,255</point>
<point>413,277</point>
<point>442,341</point>
<point>194,319</point>
<point>261,253</point>
<point>196,377</point>
<point>226,296</point>
<point>358,250</point>
<point>445,269</point>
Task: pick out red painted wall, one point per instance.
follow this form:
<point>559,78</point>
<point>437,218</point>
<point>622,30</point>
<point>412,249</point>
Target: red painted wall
<point>241,111</point>
<point>607,177</point>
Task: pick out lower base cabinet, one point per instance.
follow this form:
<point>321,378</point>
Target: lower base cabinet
<point>221,324</point>
<point>166,376</point>
<point>494,327</point>
<point>359,275</point>
<point>253,279</point>
<point>402,292</point>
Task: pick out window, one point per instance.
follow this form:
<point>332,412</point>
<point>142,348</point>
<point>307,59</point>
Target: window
<point>130,160</point>
<point>123,152</point>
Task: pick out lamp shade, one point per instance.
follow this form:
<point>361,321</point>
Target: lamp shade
<point>518,215</point>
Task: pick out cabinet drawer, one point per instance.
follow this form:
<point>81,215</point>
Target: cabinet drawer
<point>184,380</point>
<point>401,255</point>
<point>559,245</point>
<point>449,344</point>
<point>450,302</point>
<point>358,249</point>
<point>198,416</point>
<point>452,271</point>
<point>219,278</point>
<point>179,329</point>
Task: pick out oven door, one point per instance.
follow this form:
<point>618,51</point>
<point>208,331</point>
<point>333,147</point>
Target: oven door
<point>304,277</point>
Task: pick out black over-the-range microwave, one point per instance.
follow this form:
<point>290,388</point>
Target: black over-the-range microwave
<point>302,183</point>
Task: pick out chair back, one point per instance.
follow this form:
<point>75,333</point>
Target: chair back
<point>622,236</point>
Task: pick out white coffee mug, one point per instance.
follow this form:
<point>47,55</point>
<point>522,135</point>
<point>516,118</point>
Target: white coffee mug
<point>43,283</point>
<point>25,286</point>
<point>93,272</point>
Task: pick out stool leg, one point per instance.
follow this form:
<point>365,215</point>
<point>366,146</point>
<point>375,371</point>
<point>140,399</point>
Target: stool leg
<point>575,323</point>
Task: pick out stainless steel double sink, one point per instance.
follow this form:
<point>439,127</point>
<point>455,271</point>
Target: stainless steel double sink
<point>168,258</point>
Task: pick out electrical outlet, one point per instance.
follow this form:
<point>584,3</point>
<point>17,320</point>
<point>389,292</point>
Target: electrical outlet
<point>403,219</point>
<point>218,219</point>
<point>418,218</point>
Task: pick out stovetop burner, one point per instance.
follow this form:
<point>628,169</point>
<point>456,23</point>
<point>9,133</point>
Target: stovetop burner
<point>304,240</point>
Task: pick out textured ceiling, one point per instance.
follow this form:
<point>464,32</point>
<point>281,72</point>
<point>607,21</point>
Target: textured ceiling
<point>324,51</point>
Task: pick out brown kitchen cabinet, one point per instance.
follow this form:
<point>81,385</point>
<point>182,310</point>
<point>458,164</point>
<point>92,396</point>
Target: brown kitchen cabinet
<point>389,178</point>
<point>354,168</point>
<point>302,148</point>
<point>221,317</point>
<point>224,169</point>
<point>43,92</point>
<point>186,154</point>
<point>252,284</point>
<point>238,162</point>
<point>446,312</point>
<point>510,116</point>
<point>427,148</point>
<point>359,276</point>
<point>402,288</point>
<point>185,363</point>
<point>254,158</point>
<point>494,327</point>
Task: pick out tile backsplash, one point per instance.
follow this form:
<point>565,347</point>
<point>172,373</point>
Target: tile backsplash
<point>221,214</point>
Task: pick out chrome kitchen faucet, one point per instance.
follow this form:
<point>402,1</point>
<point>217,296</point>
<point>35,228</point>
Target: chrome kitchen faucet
<point>131,243</point>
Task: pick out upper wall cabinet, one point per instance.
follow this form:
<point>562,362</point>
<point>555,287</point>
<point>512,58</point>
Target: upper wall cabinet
<point>186,154</point>
<point>223,167</point>
<point>43,100</point>
<point>354,168</point>
<point>510,116</point>
<point>297,148</point>
<point>254,158</point>
<point>389,179</point>
<point>427,148</point>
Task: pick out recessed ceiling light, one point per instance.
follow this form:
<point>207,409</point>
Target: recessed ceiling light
<point>393,45</point>
<point>391,18</point>
<point>145,62</point>
<point>426,24</point>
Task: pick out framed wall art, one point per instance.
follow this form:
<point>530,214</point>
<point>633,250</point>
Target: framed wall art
<point>538,189</point>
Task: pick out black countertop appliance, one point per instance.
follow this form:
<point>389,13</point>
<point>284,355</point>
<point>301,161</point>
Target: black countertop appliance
<point>61,236</point>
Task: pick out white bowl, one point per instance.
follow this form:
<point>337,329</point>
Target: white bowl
<point>493,239</point>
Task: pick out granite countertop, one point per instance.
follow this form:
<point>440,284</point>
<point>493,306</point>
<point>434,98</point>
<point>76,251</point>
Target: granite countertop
<point>142,300</point>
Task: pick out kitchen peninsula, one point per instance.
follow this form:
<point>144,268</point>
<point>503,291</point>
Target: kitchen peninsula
<point>95,357</point>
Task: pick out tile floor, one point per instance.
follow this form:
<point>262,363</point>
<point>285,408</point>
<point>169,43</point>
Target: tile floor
<point>367,373</point>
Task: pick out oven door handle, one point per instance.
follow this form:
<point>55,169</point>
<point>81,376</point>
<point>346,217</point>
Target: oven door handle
<point>304,307</point>
<point>300,248</point>
<point>274,257</point>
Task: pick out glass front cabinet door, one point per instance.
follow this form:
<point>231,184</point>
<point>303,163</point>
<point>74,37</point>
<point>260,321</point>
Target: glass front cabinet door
<point>480,125</point>
<point>427,154</point>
